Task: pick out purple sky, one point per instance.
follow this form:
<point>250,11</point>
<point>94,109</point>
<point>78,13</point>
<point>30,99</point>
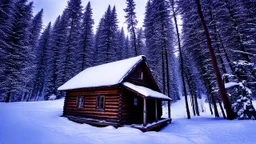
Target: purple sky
<point>53,8</point>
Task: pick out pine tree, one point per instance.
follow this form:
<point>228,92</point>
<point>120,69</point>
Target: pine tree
<point>87,38</point>
<point>140,42</point>
<point>6,17</point>
<point>121,44</point>
<point>127,52</point>
<point>98,44</point>
<point>230,114</point>
<point>16,61</point>
<point>74,16</point>
<point>56,57</point>
<point>34,30</point>
<point>132,23</point>
<point>107,40</point>
<point>41,69</point>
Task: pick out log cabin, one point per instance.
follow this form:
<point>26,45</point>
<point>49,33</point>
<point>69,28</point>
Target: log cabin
<point>117,93</point>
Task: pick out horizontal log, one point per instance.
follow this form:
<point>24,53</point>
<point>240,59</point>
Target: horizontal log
<point>112,106</point>
<point>91,115</point>
<point>91,111</point>
<point>93,93</point>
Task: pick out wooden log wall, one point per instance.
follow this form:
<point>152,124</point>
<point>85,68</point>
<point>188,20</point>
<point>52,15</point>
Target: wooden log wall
<point>89,110</point>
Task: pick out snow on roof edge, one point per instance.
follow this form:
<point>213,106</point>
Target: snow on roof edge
<point>147,92</point>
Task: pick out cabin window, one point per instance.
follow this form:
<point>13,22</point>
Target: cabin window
<point>135,101</point>
<point>140,75</point>
<point>100,102</point>
<point>80,102</point>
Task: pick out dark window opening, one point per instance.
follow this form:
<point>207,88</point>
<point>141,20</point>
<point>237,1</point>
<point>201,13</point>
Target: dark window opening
<point>80,102</point>
<point>135,101</point>
<point>100,102</point>
<point>140,75</point>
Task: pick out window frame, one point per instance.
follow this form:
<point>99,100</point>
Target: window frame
<point>100,102</point>
<point>80,102</point>
<point>140,75</point>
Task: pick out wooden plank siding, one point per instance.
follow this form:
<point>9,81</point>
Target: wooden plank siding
<point>89,110</point>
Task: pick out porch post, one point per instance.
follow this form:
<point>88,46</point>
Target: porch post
<point>156,110</point>
<point>144,112</point>
<point>169,109</point>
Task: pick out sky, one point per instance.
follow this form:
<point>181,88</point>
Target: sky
<point>54,8</point>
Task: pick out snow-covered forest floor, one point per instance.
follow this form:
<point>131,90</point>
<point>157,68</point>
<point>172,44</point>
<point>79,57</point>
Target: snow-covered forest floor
<point>40,122</point>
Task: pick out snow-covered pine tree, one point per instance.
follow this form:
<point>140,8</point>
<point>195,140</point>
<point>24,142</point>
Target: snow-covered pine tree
<point>132,23</point>
<point>74,17</point>
<point>195,47</point>
<point>87,39</point>
<point>158,33</point>
<point>107,40</point>
<point>98,42</point>
<point>35,29</point>
<point>114,28</point>
<point>127,52</point>
<point>6,17</point>
<point>56,57</point>
<point>18,49</point>
<point>233,16</point>
<point>121,44</point>
<point>41,68</point>
<point>140,42</point>
<point>241,97</point>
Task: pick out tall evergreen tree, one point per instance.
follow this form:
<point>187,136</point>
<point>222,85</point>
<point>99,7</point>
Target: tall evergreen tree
<point>74,16</point>
<point>6,17</point>
<point>121,45</point>
<point>140,42</point>
<point>132,23</point>
<point>107,40</point>
<point>87,38</point>
<point>98,43</point>
<point>35,29</point>
<point>16,60</point>
<point>56,57</point>
<point>43,50</point>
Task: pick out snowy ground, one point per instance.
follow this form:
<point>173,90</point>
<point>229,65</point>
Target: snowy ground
<point>40,122</point>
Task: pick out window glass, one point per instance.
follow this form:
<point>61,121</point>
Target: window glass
<point>135,101</point>
<point>80,102</point>
<point>100,102</point>
<point>140,75</point>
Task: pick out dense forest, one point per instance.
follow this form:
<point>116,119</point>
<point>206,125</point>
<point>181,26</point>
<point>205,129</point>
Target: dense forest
<point>36,61</point>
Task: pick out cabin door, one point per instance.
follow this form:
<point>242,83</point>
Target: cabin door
<point>137,112</point>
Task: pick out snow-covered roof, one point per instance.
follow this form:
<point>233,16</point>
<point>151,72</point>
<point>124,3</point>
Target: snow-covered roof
<point>102,75</point>
<point>146,91</point>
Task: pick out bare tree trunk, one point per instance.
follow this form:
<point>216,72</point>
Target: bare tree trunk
<point>210,107</point>
<point>181,59</point>
<point>216,113</point>
<point>222,110</point>
<point>191,96</point>
<point>8,97</point>
<point>192,104</point>
<point>230,113</point>
<point>134,41</point>
<point>196,106</point>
